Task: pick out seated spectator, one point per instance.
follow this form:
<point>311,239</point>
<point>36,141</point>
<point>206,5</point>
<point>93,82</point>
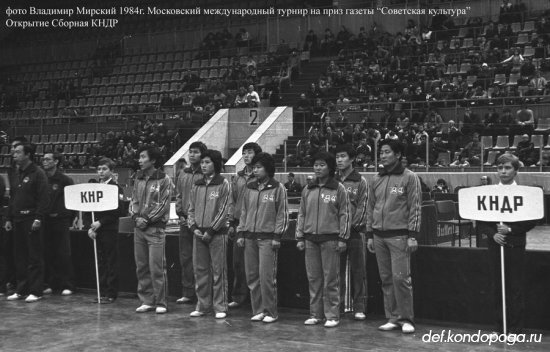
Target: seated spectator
<point>166,102</point>
<point>460,161</point>
<point>525,120</point>
<point>527,69</point>
<point>303,104</point>
<point>252,97</point>
<point>242,38</point>
<point>293,188</point>
<point>473,150</point>
<point>240,99</point>
<point>440,187</point>
<point>310,43</point>
<point>538,85</point>
<point>328,42</point>
<point>515,60</point>
<point>526,151</point>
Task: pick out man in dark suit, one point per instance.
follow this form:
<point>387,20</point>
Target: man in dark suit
<point>294,189</point>
<point>511,236</point>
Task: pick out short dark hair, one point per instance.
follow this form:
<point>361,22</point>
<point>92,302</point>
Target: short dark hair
<point>254,146</point>
<point>511,158</point>
<point>56,156</point>
<point>395,145</point>
<point>28,149</point>
<point>199,145</point>
<point>154,154</point>
<point>266,160</point>
<point>108,162</point>
<point>346,148</point>
<point>20,139</point>
<point>216,158</point>
<point>329,159</point>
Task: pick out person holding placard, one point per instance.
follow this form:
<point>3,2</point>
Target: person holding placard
<point>511,236</point>
<point>29,200</point>
<point>393,221</point>
<point>184,183</point>
<point>105,230</point>
<point>208,208</point>
<point>150,209</point>
<point>323,229</point>
<point>57,241</point>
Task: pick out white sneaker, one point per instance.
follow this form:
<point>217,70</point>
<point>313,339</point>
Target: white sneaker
<point>331,323</point>
<point>144,308</point>
<point>312,321</point>
<point>221,315</point>
<point>161,310</point>
<point>407,328</point>
<point>269,319</point>
<point>196,314</point>
<point>32,299</point>
<point>233,305</point>
<point>388,327</point>
<point>66,292</point>
<point>183,300</point>
<point>47,291</point>
<point>360,316</point>
<point>258,317</point>
<point>2,294</point>
<point>14,297</point>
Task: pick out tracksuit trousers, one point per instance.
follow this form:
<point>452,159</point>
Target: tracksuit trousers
<point>29,258</point>
<point>261,275</point>
<point>209,263</point>
<point>151,266</point>
<point>353,276</point>
<point>186,261</point>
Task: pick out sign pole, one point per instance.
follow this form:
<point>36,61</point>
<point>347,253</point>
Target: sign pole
<point>503,288</point>
<point>96,265</point>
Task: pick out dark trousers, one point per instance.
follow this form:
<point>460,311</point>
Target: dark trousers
<point>29,258</point>
<point>107,257</point>
<point>239,293</point>
<point>514,271</point>
<point>58,268</point>
<point>353,276</point>
<point>7,260</point>
<point>186,262</point>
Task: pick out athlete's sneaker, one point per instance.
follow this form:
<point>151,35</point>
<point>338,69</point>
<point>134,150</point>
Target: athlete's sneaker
<point>233,305</point>
<point>14,297</point>
<point>32,298</point>
<point>196,314</point>
<point>269,319</point>
<point>161,310</point>
<point>360,316</point>
<point>183,300</point>
<point>388,326</point>
<point>407,328</point>
<point>258,317</point>
<point>331,323</point>
<point>66,292</point>
<point>145,308</point>
<point>47,291</point>
<point>312,321</point>
<point>221,315</point>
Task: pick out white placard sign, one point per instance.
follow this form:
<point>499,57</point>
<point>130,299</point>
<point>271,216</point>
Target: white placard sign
<point>497,203</point>
<point>91,197</point>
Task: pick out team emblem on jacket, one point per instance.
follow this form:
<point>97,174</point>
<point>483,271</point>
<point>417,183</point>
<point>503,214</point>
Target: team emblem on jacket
<point>55,186</point>
<point>327,198</point>
<point>214,194</point>
<point>351,190</point>
<point>26,179</point>
<point>268,198</point>
<point>155,188</point>
<point>396,190</point>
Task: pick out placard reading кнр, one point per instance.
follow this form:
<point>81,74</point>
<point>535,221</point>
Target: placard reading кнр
<point>501,203</point>
<point>91,197</point>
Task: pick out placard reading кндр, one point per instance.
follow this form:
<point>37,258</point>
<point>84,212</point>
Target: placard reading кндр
<point>501,203</point>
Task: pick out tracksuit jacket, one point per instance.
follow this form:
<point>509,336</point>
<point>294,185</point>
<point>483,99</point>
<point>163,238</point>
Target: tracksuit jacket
<point>209,204</point>
<point>357,189</point>
<point>151,198</point>
<point>184,183</point>
<point>57,183</point>
<point>109,218</point>
<point>238,188</point>
<point>29,196</point>
<point>324,213</point>
<point>264,214</point>
<point>394,203</point>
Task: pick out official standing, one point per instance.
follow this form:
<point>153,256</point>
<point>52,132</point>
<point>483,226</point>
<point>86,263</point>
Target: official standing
<point>150,209</point>
<point>57,241</point>
<point>105,231</point>
<point>353,283</point>
<point>184,183</point>
<point>239,293</point>
<point>393,221</point>
<point>323,229</point>
<point>512,237</point>
<point>264,220</point>
<point>28,206</point>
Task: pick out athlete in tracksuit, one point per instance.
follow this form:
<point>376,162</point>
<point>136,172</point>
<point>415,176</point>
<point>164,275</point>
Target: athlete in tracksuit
<point>393,221</point>
<point>150,209</point>
<point>184,183</point>
<point>264,220</point>
<point>207,218</point>
<point>239,291</point>
<point>353,285</point>
<point>324,222</point>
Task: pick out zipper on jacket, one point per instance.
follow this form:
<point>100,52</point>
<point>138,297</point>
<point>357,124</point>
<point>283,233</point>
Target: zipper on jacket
<point>318,205</point>
<point>385,198</point>
<point>257,206</point>
<point>144,198</point>
<point>204,208</point>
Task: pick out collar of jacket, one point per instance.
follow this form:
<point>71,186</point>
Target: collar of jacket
<point>157,175</point>
<point>243,173</point>
<point>29,169</point>
<point>271,183</point>
<point>56,175</point>
<point>354,176</point>
<point>216,180</point>
<point>331,183</point>
<point>396,170</point>
<point>190,170</point>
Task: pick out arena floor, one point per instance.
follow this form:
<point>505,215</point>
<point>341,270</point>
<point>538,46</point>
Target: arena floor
<point>75,324</point>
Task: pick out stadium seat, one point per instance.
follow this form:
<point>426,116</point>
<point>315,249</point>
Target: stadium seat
<point>529,26</point>
<point>502,143</point>
<point>543,125</point>
<point>447,217</point>
<point>491,158</point>
<point>516,27</point>
<point>467,43</point>
<point>487,141</point>
<point>75,149</point>
<point>514,145</point>
<point>500,78</point>
<point>44,139</point>
<point>471,80</point>
<point>523,38</point>
<point>537,140</point>
<point>464,68</point>
<point>513,80</point>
